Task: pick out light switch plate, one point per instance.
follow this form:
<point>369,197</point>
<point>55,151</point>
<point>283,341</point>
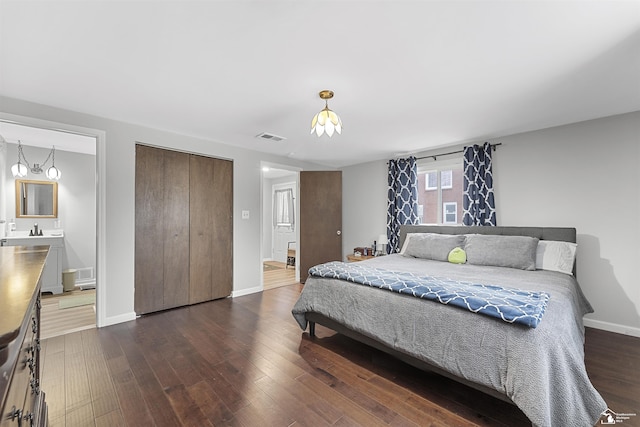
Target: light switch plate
<point>245,214</point>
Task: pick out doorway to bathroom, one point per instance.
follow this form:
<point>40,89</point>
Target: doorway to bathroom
<point>70,306</point>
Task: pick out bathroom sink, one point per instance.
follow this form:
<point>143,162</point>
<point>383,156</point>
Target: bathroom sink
<point>22,234</point>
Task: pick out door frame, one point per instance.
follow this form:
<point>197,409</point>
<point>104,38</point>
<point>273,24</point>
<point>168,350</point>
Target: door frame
<point>263,212</point>
<point>293,184</point>
<point>101,196</point>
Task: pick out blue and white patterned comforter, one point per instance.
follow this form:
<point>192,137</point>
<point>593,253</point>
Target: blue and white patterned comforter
<point>509,304</point>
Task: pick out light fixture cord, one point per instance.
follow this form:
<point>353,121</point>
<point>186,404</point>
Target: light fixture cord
<point>48,157</point>
<point>21,154</point>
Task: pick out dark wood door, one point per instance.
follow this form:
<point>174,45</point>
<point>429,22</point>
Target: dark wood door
<point>162,229</point>
<point>184,229</point>
<point>201,242</point>
<point>148,226</point>
<point>320,219</point>
<point>222,233</point>
<point>211,243</point>
<point>176,229</point>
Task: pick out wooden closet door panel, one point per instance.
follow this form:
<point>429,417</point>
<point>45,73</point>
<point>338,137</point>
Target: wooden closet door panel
<point>149,202</point>
<point>176,229</point>
<point>201,200</point>
<point>222,243</point>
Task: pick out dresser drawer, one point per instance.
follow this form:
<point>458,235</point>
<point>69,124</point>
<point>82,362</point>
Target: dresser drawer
<point>21,400</point>
<point>17,394</point>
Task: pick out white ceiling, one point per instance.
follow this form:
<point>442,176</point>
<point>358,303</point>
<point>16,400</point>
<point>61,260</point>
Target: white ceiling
<point>407,75</point>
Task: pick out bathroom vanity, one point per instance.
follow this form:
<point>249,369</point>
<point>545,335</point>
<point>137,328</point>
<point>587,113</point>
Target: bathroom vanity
<point>52,273</point>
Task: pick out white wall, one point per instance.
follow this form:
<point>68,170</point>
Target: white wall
<point>3,183</point>
<point>584,175</point>
<point>76,201</point>
<point>267,228</point>
<point>364,205</point>
<point>119,216</point>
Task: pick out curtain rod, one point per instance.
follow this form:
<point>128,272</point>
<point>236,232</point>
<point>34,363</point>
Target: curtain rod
<point>434,157</point>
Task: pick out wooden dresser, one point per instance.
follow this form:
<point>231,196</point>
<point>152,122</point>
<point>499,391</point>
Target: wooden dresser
<point>23,402</point>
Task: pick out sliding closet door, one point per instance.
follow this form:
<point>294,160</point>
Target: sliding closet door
<point>201,241</point>
<point>162,229</point>
<point>222,211</point>
<point>176,229</point>
<point>210,210</point>
<point>149,274</point>
<point>184,229</point>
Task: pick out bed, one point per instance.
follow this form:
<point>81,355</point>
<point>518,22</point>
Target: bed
<point>537,364</point>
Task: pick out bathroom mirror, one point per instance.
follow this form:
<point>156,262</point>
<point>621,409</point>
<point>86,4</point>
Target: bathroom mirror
<point>36,199</point>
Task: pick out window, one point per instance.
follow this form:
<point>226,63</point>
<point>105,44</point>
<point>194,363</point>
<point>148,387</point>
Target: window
<point>446,179</point>
<point>431,180</point>
<point>450,213</point>
<point>283,208</point>
<point>441,192</point>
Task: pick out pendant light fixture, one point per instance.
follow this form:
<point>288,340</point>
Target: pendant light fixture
<point>20,170</point>
<point>53,172</point>
<point>326,120</point>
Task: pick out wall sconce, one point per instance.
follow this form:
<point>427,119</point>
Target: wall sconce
<point>20,170</point>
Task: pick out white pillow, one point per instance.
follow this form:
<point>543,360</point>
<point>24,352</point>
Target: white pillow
<point>556,256</point>
<point>406,242</point>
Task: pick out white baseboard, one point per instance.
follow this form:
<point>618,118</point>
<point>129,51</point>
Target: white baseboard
<point>118,319</point>
<point>612,327</point>
<point>54,289</point>
<point>132,316</point>
<point>248,291</point>
<point>86,285</point>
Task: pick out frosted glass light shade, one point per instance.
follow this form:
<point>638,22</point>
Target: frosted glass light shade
<point>19,170</point>
<point>53,173</point>
<point>326,121</point>
<point>382,239</point>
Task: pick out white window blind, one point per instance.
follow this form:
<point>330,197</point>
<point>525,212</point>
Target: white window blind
<point>283,210</point>
<point>431,180</point>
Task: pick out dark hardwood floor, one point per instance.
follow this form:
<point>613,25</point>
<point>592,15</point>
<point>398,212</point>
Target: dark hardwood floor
<point>245,362</point>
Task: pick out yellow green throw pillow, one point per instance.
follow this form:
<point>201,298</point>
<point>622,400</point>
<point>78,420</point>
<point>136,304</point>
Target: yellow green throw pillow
<point>457,256</point>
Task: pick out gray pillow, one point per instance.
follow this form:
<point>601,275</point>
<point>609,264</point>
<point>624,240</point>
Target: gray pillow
<point>502,251</point>
<point>432,245</point>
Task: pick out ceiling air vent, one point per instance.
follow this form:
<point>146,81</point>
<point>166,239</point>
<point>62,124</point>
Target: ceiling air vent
<point>270,137</point>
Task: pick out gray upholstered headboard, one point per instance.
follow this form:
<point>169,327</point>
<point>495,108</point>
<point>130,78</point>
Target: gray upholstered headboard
<point>543,233</point>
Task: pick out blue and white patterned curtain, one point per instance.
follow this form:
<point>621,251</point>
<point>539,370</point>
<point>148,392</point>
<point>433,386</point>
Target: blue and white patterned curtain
<point>402,201</point>
<point>479,207</point>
